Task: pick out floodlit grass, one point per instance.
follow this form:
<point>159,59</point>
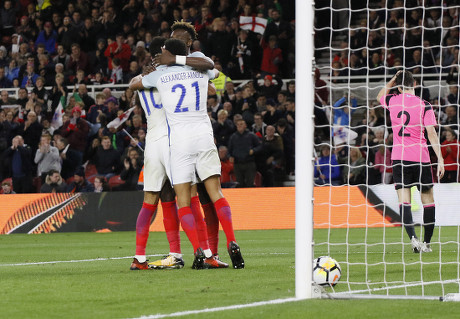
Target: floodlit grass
<point>107,289</point>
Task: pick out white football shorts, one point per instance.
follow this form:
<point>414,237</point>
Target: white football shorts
<point>156,164</point>
<point>194,157</point>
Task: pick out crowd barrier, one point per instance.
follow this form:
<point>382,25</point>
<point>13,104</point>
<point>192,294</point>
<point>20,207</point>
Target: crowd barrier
<point>255,208</point>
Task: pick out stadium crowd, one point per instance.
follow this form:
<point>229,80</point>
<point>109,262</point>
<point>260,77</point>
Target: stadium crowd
<point>422,37</point>
<point>51,51</point>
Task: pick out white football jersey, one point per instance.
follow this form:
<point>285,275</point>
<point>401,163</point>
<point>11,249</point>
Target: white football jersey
<point>184,93</point>
<point>154,113</point>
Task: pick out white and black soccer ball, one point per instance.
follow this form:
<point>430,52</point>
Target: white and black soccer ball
<point>326,271</point>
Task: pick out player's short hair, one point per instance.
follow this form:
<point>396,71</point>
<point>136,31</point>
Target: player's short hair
<point>186,26</point>
<point>156,44</point>
<point>405,79</point>
<point>176,46</point>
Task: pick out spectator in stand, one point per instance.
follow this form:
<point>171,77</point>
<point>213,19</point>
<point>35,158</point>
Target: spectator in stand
<point>272,115</point>
<point>29,77</point>
<point>98,108</point>
<point>90,34</point>
<point>83,94</point>
<point>269,89</point>
<point>80,184</point>
<point>220,81</point>
<point>5,98</point>
<point>327,170</point>
<point>112,105</point>
<point>125,99</point>
<point>100,184</point>
<point>454,97</point>
<point>106,158</point>
<point>76,131</point>
<point>286,132</point>
<point>214,105</point>
<point>78,60</point>
<point>270,162</point>
<point>272,56</point>
<point>68,34</point>
<point>133,71</point>
<point>241,56</point>
<point>19,160</point>
<point>79,78</point>
<point>6,188</point>
<point>120,50</point>
<point>132,167</point>
<point>452,120</point>
<point>116,76</point>
<point>246,105</point>
<point>13,71</point>
<point>31,130</point>
<point>354,172</point>
<point>4,82</point>
<point>226,177</point>
<point>229,94</point>
<point>46,157</point>
<point>61,56</point>
<point>220,43</point>
<point>8,18</point>
<point>223,128</point>
<point>258,128</point>
<point>70,159</point>
<point>47,37</point>
<point>382,163</point>
<point>98,60</point>
<point>342,113</point>
<point>53,183</point>
<point>450,153</point>
<point>23,98</point>
<point>242,147</point>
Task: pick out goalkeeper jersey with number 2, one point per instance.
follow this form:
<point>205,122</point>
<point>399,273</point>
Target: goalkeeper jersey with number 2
<point>409,117</point>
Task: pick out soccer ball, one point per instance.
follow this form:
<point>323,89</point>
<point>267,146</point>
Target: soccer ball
<point>326,271</point>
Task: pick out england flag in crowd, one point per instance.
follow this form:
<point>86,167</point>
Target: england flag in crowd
<point>254,24</point>
<point>120,119</point>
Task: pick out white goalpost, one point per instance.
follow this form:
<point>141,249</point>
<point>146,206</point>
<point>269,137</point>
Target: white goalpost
<point>304,149</point>
<point>346,203</point>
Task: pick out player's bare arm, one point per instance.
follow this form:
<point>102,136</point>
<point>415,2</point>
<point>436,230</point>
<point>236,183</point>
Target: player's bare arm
<point>434,140</point>
<point>384,91</point>
<point>167,58</point>
<point>136,83</point>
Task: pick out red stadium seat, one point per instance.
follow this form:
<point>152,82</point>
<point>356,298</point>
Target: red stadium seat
<point>90,170</point>
<point>258,180</point>
<point>115,181</point>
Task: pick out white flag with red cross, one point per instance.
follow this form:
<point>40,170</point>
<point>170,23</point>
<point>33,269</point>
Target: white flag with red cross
<point>120,119</point>
<point>254,24</point>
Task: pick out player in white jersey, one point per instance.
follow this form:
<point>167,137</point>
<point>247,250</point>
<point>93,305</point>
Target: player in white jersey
<point>156,160</point>
<point>186,32</point>
<point>192,149</point>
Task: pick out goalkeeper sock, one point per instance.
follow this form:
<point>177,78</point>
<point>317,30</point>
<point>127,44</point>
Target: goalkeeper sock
<point>189,226</point>
<point>171,224</point>
<point>142,228</point>
<point>225,217</point>
<point>429,218</point>
<point>212,223</point>
<point>406,215</point>
<point>201,230</point>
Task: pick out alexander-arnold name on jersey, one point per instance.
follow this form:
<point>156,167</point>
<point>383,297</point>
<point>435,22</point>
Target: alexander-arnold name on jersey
<point>181,76</point>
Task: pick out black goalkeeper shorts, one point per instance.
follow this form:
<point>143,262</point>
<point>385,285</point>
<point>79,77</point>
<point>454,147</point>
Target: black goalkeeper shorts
<point>407,174</point>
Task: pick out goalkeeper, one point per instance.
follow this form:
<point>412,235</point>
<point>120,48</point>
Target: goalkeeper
<point>410,116</point>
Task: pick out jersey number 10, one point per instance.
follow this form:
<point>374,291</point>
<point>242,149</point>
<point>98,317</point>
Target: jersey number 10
<point>179,107</point>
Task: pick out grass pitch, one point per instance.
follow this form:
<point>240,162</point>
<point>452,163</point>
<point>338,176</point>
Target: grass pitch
<point>107,289</point>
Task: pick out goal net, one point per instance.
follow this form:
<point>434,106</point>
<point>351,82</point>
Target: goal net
<point>359,47</point>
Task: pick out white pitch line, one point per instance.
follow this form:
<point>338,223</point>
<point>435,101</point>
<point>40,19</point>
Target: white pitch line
<point>73,261</point>
<point>233,307</point>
